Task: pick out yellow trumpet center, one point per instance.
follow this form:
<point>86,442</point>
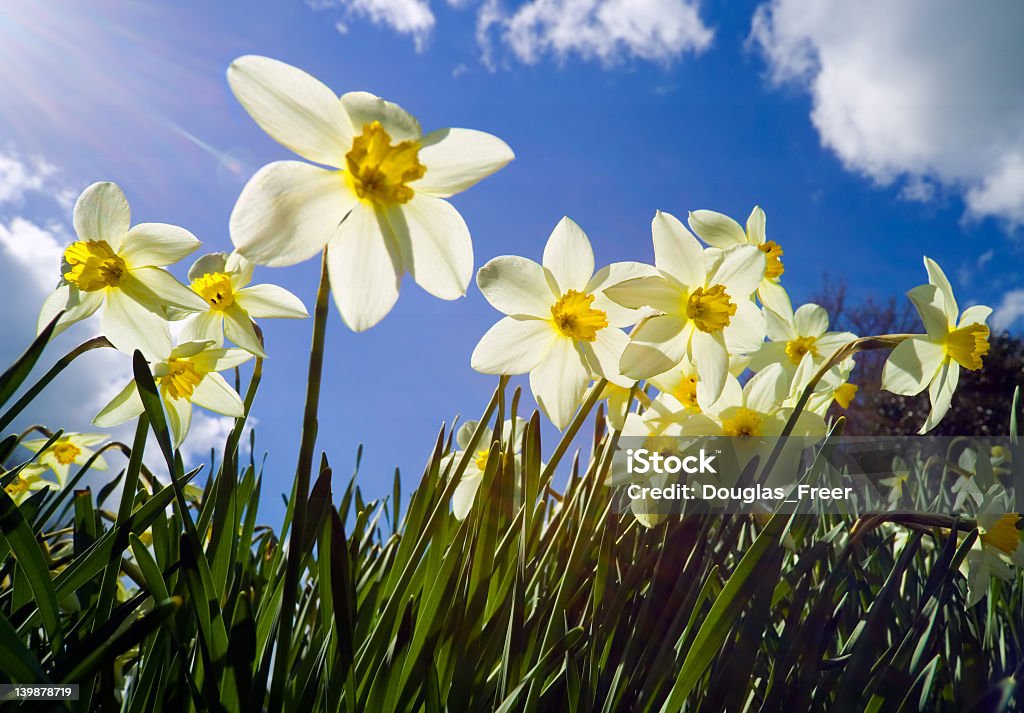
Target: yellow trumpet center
<point>686,393</point>
<point>481,458</point>
<point>745,423</point>
<point>711,308</point>
<point>93,265</point>
<point>1004,535</point>
<point>181,379</point>
<point>967,345</point>
<point>773,252</point>
<point>378,170</point>
<point>845,394</point>
<point>575,318</point>
<point>796,348</point>
<point>66,452</point>
<point>18,486</point>
<point>215,288</point>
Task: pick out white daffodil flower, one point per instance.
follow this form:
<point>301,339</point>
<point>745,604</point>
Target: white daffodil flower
<point>704,308</point>
<point>70,449</point>
<point>29,480</point>
<point>222,281</point>
<point>186,375</point>
<point>999,545</point>
<point>115,265</point>
<point>561,328</point>
<point>472,477</point>
<point>834,386</point>
<point>796,336</point>
<point>933,360</point>
<point>660,434</point>
<point>678,385</point>
<point>378,206</point>
<point>723,232</point>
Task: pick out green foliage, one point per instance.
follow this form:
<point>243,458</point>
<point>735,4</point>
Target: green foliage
<point>543,598</point>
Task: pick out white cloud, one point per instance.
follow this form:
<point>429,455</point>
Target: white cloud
<point>407,17</point>
<point>604,30</point>
<point>922,92</point>
<point>19,176</point>
<point>1009,310</point>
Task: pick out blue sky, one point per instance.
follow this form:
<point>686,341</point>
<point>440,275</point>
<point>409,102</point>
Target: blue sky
<point>866,151</point>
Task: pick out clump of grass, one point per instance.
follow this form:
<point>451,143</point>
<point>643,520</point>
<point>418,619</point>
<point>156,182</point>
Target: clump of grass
<point>175,598</point>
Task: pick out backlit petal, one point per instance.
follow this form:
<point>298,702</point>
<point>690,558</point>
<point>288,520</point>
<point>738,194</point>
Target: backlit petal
<point>559,382</point>
<point>514,346</point>
<point>435,245</point>
<point>270,302</point>
<point>716,229</point>
<point>157,244</point>
<point>130,326</point>
<point>455,159</point>
<point>912,366</point>
<point>676,251</point>
<point>516,286</point>
<point>102,213</point>
<point>569,257</point>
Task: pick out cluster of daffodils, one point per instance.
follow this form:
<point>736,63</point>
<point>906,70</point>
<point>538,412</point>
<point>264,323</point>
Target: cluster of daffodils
<point>119,270</point>
<point>58,458</point>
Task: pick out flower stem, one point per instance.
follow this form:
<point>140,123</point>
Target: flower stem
<point>300,495</point>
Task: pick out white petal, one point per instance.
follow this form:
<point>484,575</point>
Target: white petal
<point>656,345</point>
<point>179,418</point>
<point>811,320</point>
<point>435,245</point>
<point>465,433</point>
<point>213,360</point>
<point>207,265</point>
<point>766,390</point>
<point>516,286</point>
<point>912,365</point>
<point>123,407</point>
<point>940,392</point>
<point>746,329</point>
<point>830,342</point>
<point>740,271</point>
<point>603,355</point>
<point>930,306</point>
<point>288,211</point>
<point>365,269</point>
<point>716,229</point>
<point>676,251</point>
<point>75,304</point>
<point>773,295</point>
<point>238,328</point>
<point>157,244</point>
<point>779,325</point>
<point>155,288</point>
<point>214,394</point>
<point>617,272</point>
<point>569,257</point>
<point>976,314</point>
<point>654,291</point>
<point>296,109</point>
<point>130,326</point>
<point>204,327</point>
<point>364,108</point>
<point>712,360</point>
<point>102,213</point>
<point>465,494</point>
<point>270,302</point>
<point>756,226</point>
<point>240,270</point>
<point>938,278</point>
<point>455,159</point>
<point>514,346</point>
<point>559,382</point>
<point>769,353</point>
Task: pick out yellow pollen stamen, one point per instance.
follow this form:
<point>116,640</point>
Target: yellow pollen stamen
<point>215,288</point>
<point>573,316</point>
<point>686,393</point>
<point>181,379</point>
<point>481,458</point>
<point>66,452</point>
<point>1004,535</point>
<point>745,423</point>
<point>967,345</point>
<point>18,487</point>
<point>378,170</point>
<point>845,394</point>
<point>796,348</point>
<point>774,268</point>
<point>93,265</point>
<point>710,309</point>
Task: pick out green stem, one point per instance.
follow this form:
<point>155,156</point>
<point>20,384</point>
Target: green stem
<point>300,497</point>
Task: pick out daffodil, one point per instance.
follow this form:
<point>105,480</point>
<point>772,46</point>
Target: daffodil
<point>119,267</point>
<point>704,310</point>
<point>796,336</point>
<point>658,433</point>
<point>561,328</point>
<point>999,547</point>
<point>678,385</point>
<point>723,232</point>
<point>933,361</point>
<point>186,375</point>
<point>70,449</point>
<point>472,477</point>
<point>376,201</point>
<point>834,387</point>
<point>222,281</point>
<point>29,480</point>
